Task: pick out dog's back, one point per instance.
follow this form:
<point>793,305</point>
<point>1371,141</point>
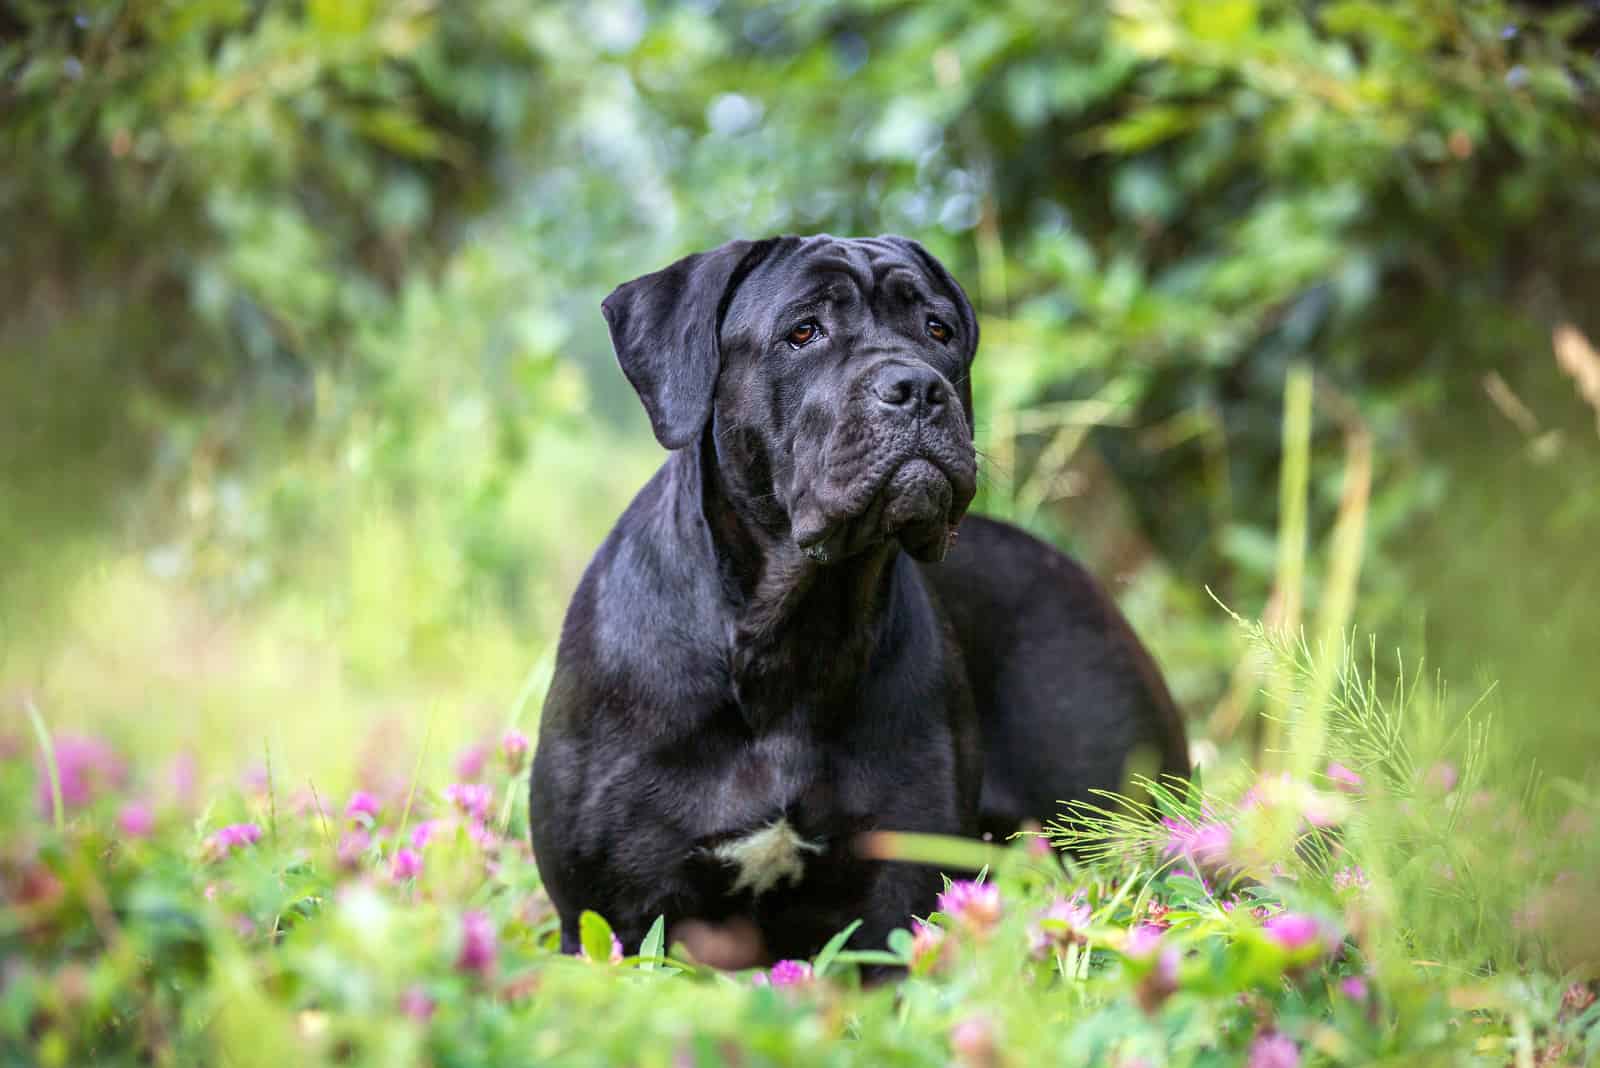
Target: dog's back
<point>1066,693</point>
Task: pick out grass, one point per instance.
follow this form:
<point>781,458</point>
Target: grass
<point>1365,913</point>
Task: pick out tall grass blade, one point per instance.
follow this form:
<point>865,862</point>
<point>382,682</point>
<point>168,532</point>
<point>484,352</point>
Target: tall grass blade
<point>47,747</point>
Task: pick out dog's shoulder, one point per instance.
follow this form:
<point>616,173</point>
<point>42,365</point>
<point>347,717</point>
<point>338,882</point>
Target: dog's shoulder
<point>640,625</point>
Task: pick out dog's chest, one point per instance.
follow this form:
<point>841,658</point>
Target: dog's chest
<point>774,814</point>
<point>773,855</point>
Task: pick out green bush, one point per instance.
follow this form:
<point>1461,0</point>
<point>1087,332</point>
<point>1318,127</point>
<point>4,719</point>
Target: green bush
<point>372,236</point>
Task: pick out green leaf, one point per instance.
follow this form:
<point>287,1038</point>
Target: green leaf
<point>650,948</point>
<point>900,941</point>
<point>942,851</point>
<point>400,131</point>
<point>831,950</point>
<point>1145,128</point>
<point>595,935</point>
<point>1186,888</point>
<point>53,772</point>
<point>343,18</point>
<point>1222,21</point>
<point>869,956</point>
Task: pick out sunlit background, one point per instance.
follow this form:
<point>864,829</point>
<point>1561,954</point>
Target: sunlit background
<point>309,424</point>
<point>309,421</point>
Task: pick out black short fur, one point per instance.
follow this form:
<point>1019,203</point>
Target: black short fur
<point>774,628</point>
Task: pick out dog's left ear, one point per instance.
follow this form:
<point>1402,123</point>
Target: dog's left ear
<point>664,329</point>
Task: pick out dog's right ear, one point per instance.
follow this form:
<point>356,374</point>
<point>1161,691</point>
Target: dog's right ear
<point>664,329</point>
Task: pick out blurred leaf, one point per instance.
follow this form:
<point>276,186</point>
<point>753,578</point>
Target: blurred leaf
<point>400,131</point>
<point>651,947</point>
<point>595,935</point>
<point>1145,128</point>
<point>830,951</point>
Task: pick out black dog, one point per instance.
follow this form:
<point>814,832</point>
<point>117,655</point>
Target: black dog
<point>752,672</point>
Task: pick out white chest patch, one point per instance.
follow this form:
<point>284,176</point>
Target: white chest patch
<point>772,854</point>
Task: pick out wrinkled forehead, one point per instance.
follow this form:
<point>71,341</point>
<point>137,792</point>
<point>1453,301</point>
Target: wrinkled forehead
<point>823,269</point>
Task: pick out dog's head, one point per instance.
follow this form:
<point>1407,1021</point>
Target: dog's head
<point>832,373</point>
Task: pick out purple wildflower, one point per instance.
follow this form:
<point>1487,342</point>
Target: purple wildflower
<point>136,820</point>
<point>1155,962</point>
<point>1344,778</point>
<point>225,840</point>
<point>1295,932</point>
<point>1206,845</point>
<point>353,845</point>
<point>514,748</point>
<point>1353,987</point>
<point>975,905</point>
<point>482,836</point>
<point>1353,879</point>
<point>1143,940</point>
<point>362,804</point>
<point>1316,807</point>
<point>928,947</point>
<point>416,1003</point>
<point>973,1042</point>
<point>470,761</point>
<point>422,832</point>
<point>1442,777</point>
<point>183,776</point>
<point>478,944</point>
<point>1160,978</point>
<point>1060,925</point>
<point>1273,1050</point>
<point>87,767</point>
<point>470,797</point>
<point>407,864</point>
<point>784,973</point>
<point>1318,812</point>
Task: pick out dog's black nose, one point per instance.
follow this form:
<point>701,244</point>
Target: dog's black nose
<point>909,389</point>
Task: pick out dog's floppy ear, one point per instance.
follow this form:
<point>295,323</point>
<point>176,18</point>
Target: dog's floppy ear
<point>664,328</point>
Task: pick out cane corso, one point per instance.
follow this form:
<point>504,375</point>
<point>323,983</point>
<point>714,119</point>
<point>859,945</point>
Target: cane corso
<point>783,643</point>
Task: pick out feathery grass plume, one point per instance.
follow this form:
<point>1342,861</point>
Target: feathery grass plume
<point>1445,855</point>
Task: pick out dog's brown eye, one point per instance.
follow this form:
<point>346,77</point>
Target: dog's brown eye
<point>805,333</point>
<point>938,331</point>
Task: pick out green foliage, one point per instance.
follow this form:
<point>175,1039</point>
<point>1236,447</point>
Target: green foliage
<point>300,277</point>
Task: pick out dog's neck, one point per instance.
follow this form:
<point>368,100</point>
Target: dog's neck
<point>801,632</point>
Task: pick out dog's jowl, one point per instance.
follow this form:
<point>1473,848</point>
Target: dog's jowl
<point>783,644</point>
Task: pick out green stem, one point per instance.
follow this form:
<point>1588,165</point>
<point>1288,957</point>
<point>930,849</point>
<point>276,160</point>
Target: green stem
<point>48,748</point>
